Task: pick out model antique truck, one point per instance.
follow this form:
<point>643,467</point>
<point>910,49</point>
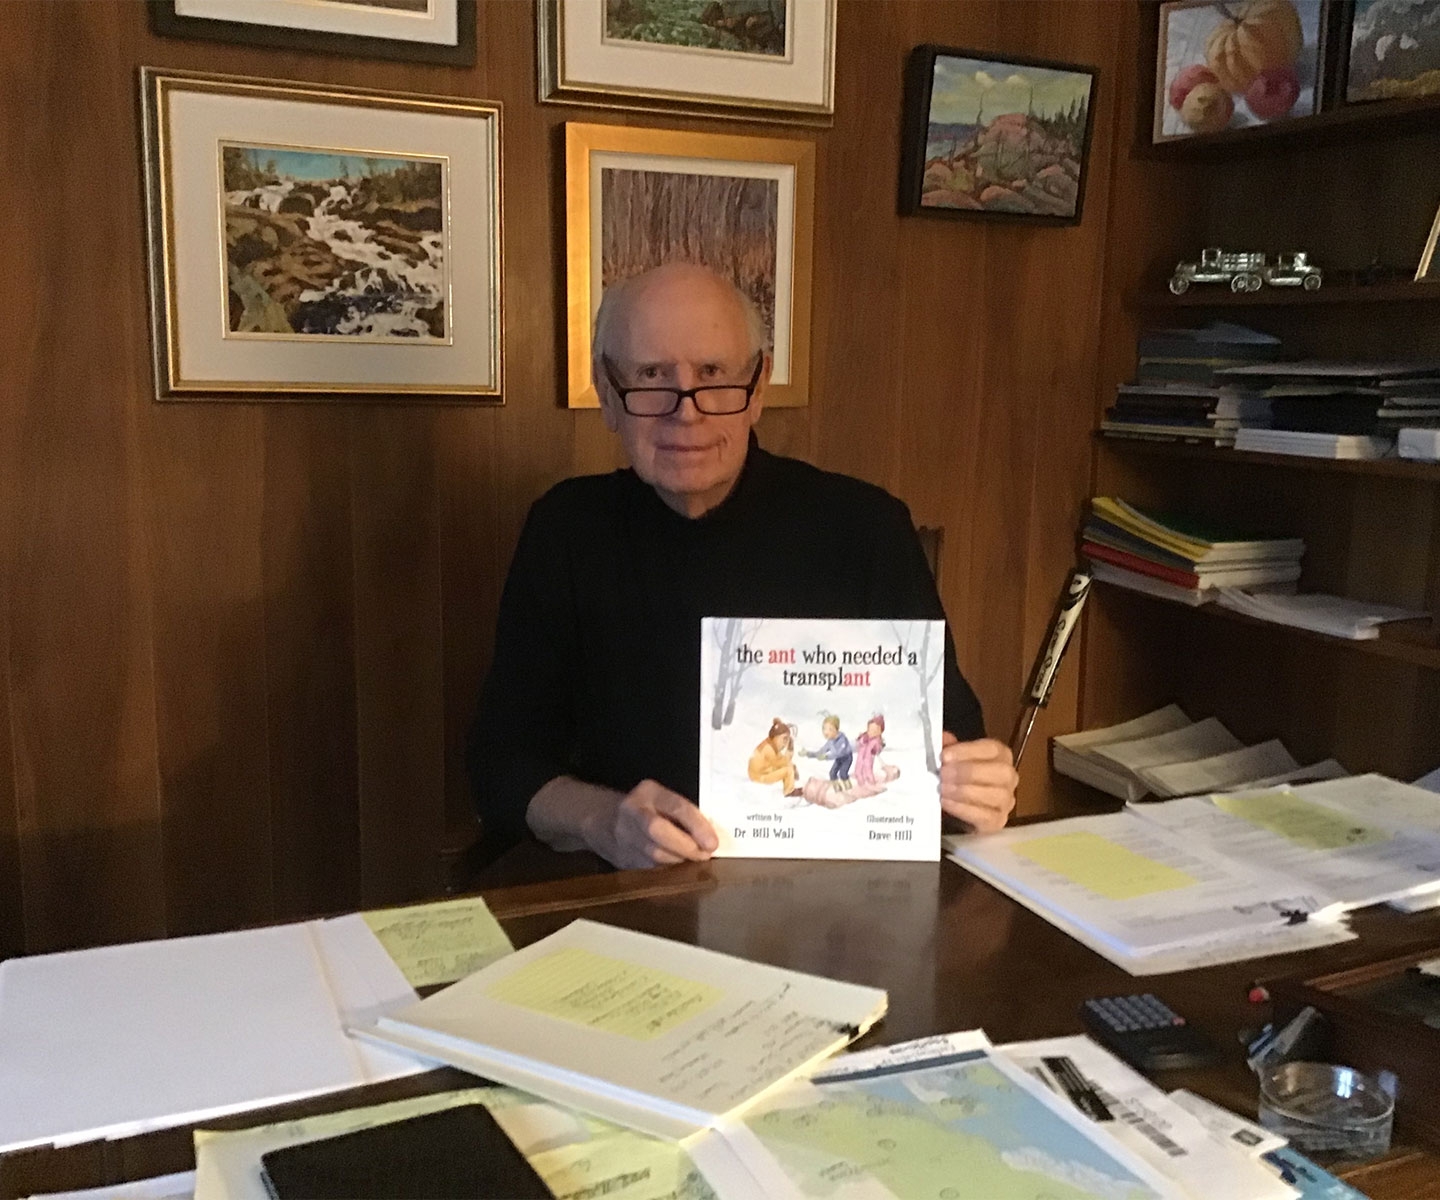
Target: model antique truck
<point>1240,269</point>
<point>1292,270</point>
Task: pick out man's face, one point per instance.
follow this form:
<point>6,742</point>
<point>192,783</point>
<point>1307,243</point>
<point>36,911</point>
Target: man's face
<point>683,331</point>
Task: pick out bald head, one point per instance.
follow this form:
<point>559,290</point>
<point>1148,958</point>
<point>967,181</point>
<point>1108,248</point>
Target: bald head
<point>686,287</point>
<point>667,333</point>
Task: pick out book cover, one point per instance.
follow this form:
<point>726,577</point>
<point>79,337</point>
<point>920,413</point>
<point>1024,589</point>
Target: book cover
<point>821,738</point>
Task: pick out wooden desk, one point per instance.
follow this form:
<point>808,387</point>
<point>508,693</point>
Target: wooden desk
<point>952,952</point>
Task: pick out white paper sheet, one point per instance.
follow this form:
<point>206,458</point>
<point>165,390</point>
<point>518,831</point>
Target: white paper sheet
<point>1355,859</point>
<point>1285,939</point>
<point>179,1186</point>
<point>1200,740</point>
<point>1219,771</point>
<point>892,1123</point>
<point>121,1039</point>
<point>647,1032</point>
<point>1134,884</point>
<point>1153,1125</point>
<point>1250,1138</point>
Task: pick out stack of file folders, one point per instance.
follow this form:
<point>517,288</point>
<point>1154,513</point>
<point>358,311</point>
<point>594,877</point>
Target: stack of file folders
<point>1177,558</point>
<point>1179,393</point>
<point>1330,409</point>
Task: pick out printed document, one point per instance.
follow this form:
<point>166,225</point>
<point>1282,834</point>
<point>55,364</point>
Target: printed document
<point>946,1114</point>
<point>657,1035</point>
<point>1134,884</point>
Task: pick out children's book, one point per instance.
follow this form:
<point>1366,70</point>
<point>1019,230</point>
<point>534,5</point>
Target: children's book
<point>821,738</point>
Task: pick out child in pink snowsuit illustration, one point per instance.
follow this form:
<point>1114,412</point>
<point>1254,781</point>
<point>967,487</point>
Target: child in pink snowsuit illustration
<point>867,746</point>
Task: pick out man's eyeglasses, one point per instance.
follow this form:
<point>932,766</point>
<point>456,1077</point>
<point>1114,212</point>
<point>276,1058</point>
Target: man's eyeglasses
<point>713,399</point>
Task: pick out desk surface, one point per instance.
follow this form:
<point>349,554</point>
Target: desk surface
<point>952,952</point>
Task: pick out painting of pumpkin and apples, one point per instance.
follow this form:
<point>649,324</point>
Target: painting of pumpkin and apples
<point>1228,64</point>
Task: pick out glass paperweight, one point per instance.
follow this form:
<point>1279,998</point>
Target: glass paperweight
<point>1327,1110</point>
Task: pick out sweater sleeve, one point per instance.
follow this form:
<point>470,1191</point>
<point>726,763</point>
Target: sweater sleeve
<point>904,588</point>
<point>524,725</point>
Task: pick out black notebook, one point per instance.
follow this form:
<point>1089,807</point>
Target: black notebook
<point>455,1154</point>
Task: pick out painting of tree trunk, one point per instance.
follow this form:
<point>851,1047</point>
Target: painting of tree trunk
<point>727,223</point>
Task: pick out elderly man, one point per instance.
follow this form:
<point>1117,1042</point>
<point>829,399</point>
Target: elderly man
<point>588,726</point>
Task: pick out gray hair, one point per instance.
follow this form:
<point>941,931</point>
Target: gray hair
<point>612,303</point>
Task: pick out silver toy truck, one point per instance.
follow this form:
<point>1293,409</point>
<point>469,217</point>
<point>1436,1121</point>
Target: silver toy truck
<point>1240,269</point>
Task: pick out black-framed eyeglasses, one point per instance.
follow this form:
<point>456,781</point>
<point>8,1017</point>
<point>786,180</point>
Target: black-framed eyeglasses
<point>712,399</point>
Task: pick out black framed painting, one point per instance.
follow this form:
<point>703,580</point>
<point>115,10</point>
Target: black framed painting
<point>437,31</point>
<point>998,137</point>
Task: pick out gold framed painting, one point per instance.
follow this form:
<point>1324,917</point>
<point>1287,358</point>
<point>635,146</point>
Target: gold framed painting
<point>754,59</point>
<point>310,241</point>
<point>742,206</point>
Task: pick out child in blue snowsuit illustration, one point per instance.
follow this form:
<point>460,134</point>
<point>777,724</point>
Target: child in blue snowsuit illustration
<point>837,749</point>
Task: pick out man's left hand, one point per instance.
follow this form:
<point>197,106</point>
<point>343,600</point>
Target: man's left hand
<point>977,782</point>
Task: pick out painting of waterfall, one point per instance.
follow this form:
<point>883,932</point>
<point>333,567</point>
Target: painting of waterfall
<point>323,243</point>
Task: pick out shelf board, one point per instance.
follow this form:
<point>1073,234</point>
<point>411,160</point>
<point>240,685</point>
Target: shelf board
<point>1392,468</point>
<point>1385,118</point>
<point>1414,642</point>
<point>1217,296</point>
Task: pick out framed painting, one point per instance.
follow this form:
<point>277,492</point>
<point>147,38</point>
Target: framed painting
<point>309,240</point>
<point>1237,65</point>
<point>1392,50</point>
<point>995,137</point>
<point>438,31</point>
<point>754,59</point>
<point>639,198</point>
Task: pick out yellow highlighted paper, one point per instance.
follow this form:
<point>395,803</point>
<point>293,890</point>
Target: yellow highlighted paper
<point>1102,866</point>
<point>439,943</point>
<point>1310,826</point>
<point>607,994</point>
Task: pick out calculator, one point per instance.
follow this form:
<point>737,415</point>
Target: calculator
<point>1147,1033</point>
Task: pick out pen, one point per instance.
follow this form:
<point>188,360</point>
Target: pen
<point>1062,625</point>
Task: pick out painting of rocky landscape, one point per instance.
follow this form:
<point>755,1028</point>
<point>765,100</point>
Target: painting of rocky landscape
<point>321,243</point>
<point>1004,138</point>
<point>1394,50</point>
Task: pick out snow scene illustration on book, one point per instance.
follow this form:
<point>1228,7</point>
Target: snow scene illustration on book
<point>821,738</point>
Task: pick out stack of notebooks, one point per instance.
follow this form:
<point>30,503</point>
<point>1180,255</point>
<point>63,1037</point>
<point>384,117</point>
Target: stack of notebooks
<point>1330,409</point>
<point>1179,393</point>
<point>1177,558</point>
<point>1165,753</point>
<point>1221,877</point>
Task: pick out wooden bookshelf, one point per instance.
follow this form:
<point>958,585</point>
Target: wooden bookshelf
<point>1353,186</point>
<point>1348,123</point>
<point>1218,296</point>
<point>1385,468</point>
<point>1413,642</point>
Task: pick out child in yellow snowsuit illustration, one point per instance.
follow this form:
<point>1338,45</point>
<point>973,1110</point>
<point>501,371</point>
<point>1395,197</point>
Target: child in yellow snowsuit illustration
<point>772,760</point>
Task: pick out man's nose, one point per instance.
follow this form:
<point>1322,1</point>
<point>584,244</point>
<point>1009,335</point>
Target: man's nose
<point>686,412</point>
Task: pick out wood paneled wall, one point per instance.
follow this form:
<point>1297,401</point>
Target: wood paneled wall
<point>240,643</point>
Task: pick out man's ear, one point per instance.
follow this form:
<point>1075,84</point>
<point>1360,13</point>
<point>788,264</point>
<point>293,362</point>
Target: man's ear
<point>757,401</point>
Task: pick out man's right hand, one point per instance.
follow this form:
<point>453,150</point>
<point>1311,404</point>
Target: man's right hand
<point>653,826</point>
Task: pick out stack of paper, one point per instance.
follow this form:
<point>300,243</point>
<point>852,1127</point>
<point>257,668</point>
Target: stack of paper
<point>942,1116</point>
<point>1177,558</point>
<point>1167,754</point>
<point>656,1035</point>
<point>1191,1148</point>
<point>1223,877</point>
<point>1337,616</point>
<point>1313,445</point>
<point>123,1039</point>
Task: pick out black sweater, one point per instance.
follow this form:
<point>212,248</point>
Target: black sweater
<point>596,672</point>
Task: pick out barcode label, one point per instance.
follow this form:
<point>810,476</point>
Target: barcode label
<point>1141,1125</point>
